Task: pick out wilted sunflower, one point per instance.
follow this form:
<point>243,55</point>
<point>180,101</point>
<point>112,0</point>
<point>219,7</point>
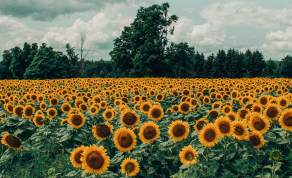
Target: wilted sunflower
<point>199,124</point>
<point>64,122</point>
<point>145,107</point>
<point>156,113</point>
<point>18,110</point>
<point>226,109</point>
<point>125,139</point>
<point>100,132</point>
<point>283,102</point>
<point>225,126</point>
<point>241,113</point>
<point>188,155</point>
<point>93,110</point>
<point>129,118</point>
<point>258,123</point>
<point>108,114</point>
<point>28,111</point>
<point>95,160</point>
<point>38,120</point>
<point>286,120</point>
<point>43,106</point>
<point>149,132</point>
<point>209,135</point>
<point>263,100</point>
<point>240,130</point>
<point>184,107</point>
<point>11,141</point>
<point>52,112</point>
<point>175,108</point>
<point>178,130</point>
<point>76,120</point>
<point>65,107</point>
<point>256,139</point>
<point>257,108</point>
<point>130,166</point>
<point>272,112</point>
<point>54,101</point>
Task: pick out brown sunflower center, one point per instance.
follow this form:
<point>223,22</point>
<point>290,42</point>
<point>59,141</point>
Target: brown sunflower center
<point>83,107</point>
<point>238,130</point>
<point>200,125</point>
<point>194,102</point>
<point>39,120</point>
<point>189,156</point>
<point>130,167</point>
<point>227,110</point>
<point>78,156</point>
<point>77,119</point>
<point>255,140</point>
<point>66,108</point>
<point>242,113</point>
<point>103,130</point>
<point>179,130</point>
<point>125,139</point>
<point>206,100</point>
<point>272,112</point>
<point>258,123</point>
<point>287,120</point>
<point>263,101</point>
<point>175,108</point>
<point>54,101</point>
<point>283,102</point>
<point>43,106</point>
<point>156,113</point>
<point>210,135</point>
<point>18,110</point>
<point>108,114</point>
<point>224,127</point>
<point>146,108</point>
<point>159,97</point>
<point>257,109</point>
<point>185,107</point>
<point>149,132</point>
<point>94,160</point>
<point>93,110</point>
<point>214,114</point>
<point>12,141</point>
<point>52,112</point>
<point>129,118</point>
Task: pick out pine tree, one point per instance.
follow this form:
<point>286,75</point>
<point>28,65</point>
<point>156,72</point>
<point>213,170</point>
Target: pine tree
<point>207,68</point>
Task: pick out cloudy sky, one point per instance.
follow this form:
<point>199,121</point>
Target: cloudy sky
<point>208,25</point>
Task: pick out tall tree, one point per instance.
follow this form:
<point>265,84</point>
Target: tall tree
<point>16,66</point>
<point>199,61</point>
<point>217,70</point>
<point>226,66</point>
<point>5,72</point>
<point>270,67</point>
<point>73,61</point>
<point>285,67</point>
<point>207,68</point>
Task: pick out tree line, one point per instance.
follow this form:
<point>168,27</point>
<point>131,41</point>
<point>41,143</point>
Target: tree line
<point>142,50</point>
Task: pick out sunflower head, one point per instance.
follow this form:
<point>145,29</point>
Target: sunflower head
<point>145,107</point>
<point>225,126</point>
<point>11,141</point>
<point>101,131</point>
<point>125,139</point>
<point>76,156</point>
<point>108,114</point>
<point>178,130</point>
<point>209,135</point>
<point>188,155</point>
<point>272,112</point>
<point>149,132</point>
<point>130,166</point>
<point>275,155</point>
<point>184,107</point>
<point>129,118</point>
<point>156,113</point>
<point>256,139</point>
<point>52,112</point>
<point>240,130</point>
<point>200,124</point>
<point>286,120</point>
<point>76,120</point>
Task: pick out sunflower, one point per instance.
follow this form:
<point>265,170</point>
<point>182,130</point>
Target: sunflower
<point>9,108</point>
<point>225,126</point>
<point>17,110</point>
<point>65,107</point>
<point>40,98</point>
<point>27,111</point>
<point>216,105</point>
<point>38,120</point>
<point>178,130</point>
<point>100,132</point>
<point>156,113</point>
<point>199,124</point>
<point>125,139</point>
<point>129,118</point>
<point>65,121</point>
<point>108,114</point>
<point>76,120</point>
<point>256,139</point>
<point>257,108</point>
<point>215,113</point>
<point>263,100</point>
<point>283,102</point>
<point>209,135</point>
<point>175,108</point>
<point>272,112</point>
<point>117,102</point>
<point>11,141</point>
<point>1,119</point>
<point>52,112</point>
<point>149,132</point>
<point>95,160</point>
<point>240,130</point>
<point>130,166</point>
<point>159,97</point>
<point>93,110</point>
<point>184,107</point>
<point>286,120</point>
<point>241,113</point>
<point>145,107</point>
<point>226,109</point>
<point>258,123</point>
<point>188,155</point>
<point>43,106</point>
<point>54,101</point>
<point>206,100</point>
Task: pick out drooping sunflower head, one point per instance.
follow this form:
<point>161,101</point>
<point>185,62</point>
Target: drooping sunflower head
<point>125,139</point>
<point>129,118</point>
<point>216,105</point>
<point>225,126</point>
<point>188,155</point>
<point>256,139</point>
<point>258,123</point>
<point>156,113</point>
<point>64,122</point>
<point>178,130</point>
<point>149,132</point>
<point>75,157</point>
<point>95,160</point>
<point>200,124</point>
<point>209,135</point>
<point>286,120</point>
<point>130,166</point>
<point>11,141</point>
<point>272,112</point>
<point>100,132</point>
<point>76,120</point>
<point>240,130</point>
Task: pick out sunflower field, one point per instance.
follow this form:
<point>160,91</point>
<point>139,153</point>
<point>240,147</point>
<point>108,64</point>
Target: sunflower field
<point>146,127</point>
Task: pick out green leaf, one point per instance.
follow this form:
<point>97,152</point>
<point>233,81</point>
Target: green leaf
<point>153,167</point>
<point>268,167</point>
<point>270,136</point>
<point>19,131</point>
<point>71,174</point>
<point>66,137</point>
<point>277,166</point>
<point>183,167</point>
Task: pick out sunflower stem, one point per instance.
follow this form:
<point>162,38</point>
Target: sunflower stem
<point>207,154</point>
<point>225,149</point>
<point>273,173</point>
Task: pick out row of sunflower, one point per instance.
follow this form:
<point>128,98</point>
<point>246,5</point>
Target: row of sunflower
<point>244,109</point>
